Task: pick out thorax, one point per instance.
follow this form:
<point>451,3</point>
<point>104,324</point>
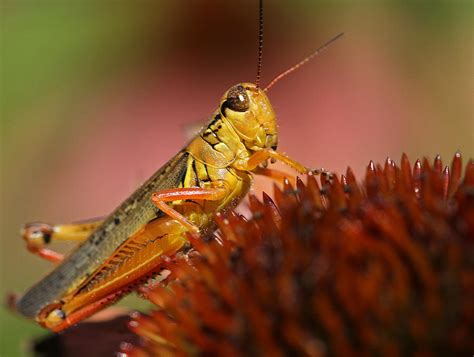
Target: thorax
<point>211,156</point>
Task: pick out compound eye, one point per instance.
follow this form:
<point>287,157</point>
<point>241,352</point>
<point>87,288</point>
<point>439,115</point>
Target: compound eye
<point>237,99</point>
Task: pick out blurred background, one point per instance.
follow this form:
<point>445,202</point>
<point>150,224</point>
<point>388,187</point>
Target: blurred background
<point>95,96</point>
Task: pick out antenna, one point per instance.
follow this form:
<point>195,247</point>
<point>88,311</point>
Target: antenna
<point>260,42</point>
<point>304,61</point>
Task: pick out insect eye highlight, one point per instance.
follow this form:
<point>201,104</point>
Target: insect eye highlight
<point>237,99</point>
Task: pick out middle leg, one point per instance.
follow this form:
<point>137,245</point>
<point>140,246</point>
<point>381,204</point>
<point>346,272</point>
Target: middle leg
<point>161,198</point>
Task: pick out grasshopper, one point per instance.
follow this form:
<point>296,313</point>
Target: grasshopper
<point>211,174</point>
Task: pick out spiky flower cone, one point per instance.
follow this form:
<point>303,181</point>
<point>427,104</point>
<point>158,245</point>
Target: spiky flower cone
<point>380,268</point>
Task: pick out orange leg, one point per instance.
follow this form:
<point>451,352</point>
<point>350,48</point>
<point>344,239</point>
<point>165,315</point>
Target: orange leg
<point>148,261</point>
<point>186,193</point>
<point>61,322</point>
<point>47,254</point>
<point>37,235</point>
<point>261,156</point>
<point>276,175</point>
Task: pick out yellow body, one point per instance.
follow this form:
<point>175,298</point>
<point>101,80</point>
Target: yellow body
<point>126,247</point>
<point>220,153</point>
